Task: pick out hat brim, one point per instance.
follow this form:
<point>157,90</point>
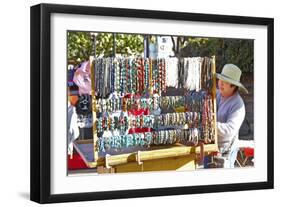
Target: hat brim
<point>231,81</point>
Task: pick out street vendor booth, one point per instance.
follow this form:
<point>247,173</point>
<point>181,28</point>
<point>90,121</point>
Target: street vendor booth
<point>150,114</point>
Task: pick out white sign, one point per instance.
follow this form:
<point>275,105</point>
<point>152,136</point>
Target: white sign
<point>165,46</point>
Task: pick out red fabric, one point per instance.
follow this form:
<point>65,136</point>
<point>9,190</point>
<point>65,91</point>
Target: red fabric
<point>249,152</point>
<point>76,162</point>
<point>139,130</point>
<point>138,113</point>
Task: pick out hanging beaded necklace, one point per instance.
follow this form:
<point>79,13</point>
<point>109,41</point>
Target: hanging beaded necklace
<point>146,74</point>
<point>137,76</point>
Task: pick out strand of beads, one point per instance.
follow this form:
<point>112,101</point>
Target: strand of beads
<point>146,75</point>
<point>159,74</point>
<point>123,76</point>
<point>118,76</point>
<point>164,78</point>
<point>155,74</point>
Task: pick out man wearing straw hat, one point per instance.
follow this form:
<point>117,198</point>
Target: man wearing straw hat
<point>230,113</point>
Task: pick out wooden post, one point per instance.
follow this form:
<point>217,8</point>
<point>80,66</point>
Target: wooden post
<point>214,97</point>
<point>95,137</point>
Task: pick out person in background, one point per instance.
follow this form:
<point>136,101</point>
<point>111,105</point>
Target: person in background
<point>72,128</point>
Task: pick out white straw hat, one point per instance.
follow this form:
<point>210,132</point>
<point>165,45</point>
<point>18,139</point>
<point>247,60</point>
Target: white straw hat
<point>231,74</point>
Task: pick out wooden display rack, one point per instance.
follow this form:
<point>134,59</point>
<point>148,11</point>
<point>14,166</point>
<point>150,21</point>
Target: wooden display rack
<point>156,158</point>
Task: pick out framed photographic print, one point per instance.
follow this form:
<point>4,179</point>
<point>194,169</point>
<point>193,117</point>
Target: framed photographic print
<point>133,103</point>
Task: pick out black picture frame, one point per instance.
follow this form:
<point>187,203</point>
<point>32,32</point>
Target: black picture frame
<point>41,95</point>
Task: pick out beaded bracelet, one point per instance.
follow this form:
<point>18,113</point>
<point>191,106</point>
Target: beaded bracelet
<point>148,138</point>
<point>124,141</point>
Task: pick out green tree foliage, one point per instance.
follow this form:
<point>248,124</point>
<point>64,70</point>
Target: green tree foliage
<point>125,44</point>
<point>80,45</point>
<point>129,44</point>
<point>236,51</point>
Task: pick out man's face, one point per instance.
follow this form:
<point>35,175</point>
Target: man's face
<point>225,88</point>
